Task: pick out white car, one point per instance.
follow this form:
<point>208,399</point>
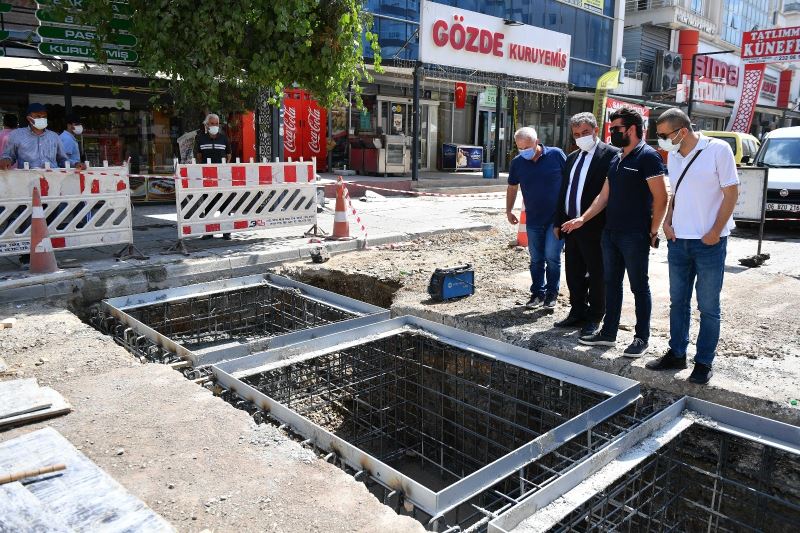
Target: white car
<point>780,151</point>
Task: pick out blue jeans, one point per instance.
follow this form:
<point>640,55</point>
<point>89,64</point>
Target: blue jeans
<point>545,252</point>
<point>626,252</point>
<point>690,260</point>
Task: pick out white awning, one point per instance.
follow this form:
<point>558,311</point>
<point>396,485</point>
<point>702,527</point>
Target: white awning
<point>80,101</point>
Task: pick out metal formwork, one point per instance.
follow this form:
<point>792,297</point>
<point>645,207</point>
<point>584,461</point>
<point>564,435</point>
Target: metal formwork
<point>436,415</point>
<point>225,319</point>
<point>695,466</point>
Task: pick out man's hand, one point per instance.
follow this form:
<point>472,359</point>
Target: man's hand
<point>512,218</point>
<point>571,225</point>
<point>711,238</point>
<point>5,164</point>
<point>669,233</point>
<point>557,232</point>
<point>653,240</point>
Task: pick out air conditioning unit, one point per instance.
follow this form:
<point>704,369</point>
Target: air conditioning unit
<point>667,71</point>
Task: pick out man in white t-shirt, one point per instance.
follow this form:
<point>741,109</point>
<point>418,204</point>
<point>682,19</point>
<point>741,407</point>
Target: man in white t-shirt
<point>705,187</point>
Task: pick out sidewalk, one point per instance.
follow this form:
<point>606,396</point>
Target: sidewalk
<point>93,273</point>
<point>429,181</point>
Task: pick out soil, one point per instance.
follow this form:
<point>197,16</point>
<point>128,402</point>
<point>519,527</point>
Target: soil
<point>192,457</point>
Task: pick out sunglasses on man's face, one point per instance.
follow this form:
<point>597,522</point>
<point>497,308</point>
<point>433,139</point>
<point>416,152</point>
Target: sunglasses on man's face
<point>613,129</point>
<point>665,136</point>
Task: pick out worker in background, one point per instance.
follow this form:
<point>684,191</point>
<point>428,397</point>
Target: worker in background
<point>69,140</point>
<point>10,123</point>
<point>634,198</point>
<point>584,178</point>
<point>705,185</point>
<point>538,169</point>
<point>211,146</point>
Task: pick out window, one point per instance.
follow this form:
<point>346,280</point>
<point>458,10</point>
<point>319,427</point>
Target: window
<point>697,7</point>
<point>781,153</point>
<point>743,15</point>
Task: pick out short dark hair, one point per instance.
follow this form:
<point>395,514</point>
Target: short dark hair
<point>10,120</point>
<point>630,117</point>
<point>676,118</point>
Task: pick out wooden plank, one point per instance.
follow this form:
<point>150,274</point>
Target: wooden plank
<point>84,497</point>
<point>20,396</point>
<point>22,511</point>
<point>58,406</point>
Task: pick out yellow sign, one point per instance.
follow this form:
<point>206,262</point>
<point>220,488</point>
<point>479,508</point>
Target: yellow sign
<point>609,80</point>
<point>594,5</point>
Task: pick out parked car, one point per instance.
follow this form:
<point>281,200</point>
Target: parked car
<point>744,145</point>
<point>780,152</point>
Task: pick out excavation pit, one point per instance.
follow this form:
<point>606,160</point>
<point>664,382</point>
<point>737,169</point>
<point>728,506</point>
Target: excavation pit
<point>211,322</point>
<point>433,414</point>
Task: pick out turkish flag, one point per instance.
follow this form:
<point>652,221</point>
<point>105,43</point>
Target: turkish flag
<point>461,95</point>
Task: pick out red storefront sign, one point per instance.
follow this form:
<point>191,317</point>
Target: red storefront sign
<point>304,128</point>
<point>461,95</point>
<point>709,67</point>
<point>613,105</point>
<point>766,46</point>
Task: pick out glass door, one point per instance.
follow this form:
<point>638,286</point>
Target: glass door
<point>424,115</point>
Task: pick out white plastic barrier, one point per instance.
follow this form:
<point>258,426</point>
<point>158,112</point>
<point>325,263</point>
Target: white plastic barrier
<point>82,209</point>
<point>237,197</point>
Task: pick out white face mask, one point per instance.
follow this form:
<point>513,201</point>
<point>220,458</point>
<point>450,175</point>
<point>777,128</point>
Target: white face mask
<point>40,123</point>
<point>586,142</point>
<point>78,129</point>
<point>213,130</point>
<point>668,146</point>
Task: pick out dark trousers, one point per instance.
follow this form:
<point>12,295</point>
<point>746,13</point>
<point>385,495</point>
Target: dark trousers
<point>627,252</point>
<point>584,270</point>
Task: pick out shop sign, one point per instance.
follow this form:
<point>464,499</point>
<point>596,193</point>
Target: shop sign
<point>81,35</point>
<point>466,39</point>
<point>48,15</point>
<point>768,46</point>
<point>119,7</point>
<point>706,91</point>
<point>695,21</point>
<point>593,5</point>
<point>488,98</point>
<point>118,55</point>
<point>769,88</point>
<point>612,104</point>
<point>708,67</point>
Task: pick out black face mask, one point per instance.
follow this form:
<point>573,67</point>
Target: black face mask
<point>619,139</point>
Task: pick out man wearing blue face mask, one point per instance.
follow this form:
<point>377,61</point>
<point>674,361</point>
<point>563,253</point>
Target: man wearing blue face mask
<point>538,170</point>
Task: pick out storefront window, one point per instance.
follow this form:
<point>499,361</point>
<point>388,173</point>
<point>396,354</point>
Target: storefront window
<point>743,15</point>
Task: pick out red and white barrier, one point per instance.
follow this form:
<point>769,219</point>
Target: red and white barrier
<point>236,197</point>
<point>82,209</point>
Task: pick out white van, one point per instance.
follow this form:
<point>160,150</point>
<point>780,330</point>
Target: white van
<point>780,151</point>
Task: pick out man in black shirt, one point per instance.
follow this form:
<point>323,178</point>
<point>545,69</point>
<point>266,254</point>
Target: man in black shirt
<point>212,146</point>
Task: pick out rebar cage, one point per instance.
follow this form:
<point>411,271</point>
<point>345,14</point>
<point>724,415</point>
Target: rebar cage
<point>215,321</point>
<point>450,420</point>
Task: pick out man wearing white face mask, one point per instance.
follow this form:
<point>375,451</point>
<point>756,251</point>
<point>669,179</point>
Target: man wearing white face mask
<point>705,187</point>
<point>35,145</point>
<point>584,177</point>
<point>69,142</point>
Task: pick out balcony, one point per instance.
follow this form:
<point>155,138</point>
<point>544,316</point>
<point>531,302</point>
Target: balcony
<point>646,5</point>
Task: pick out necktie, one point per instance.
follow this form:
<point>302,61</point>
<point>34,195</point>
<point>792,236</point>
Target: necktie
<point>573,190</point>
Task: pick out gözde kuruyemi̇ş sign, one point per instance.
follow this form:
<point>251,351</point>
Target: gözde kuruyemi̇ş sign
<point>465,39</point>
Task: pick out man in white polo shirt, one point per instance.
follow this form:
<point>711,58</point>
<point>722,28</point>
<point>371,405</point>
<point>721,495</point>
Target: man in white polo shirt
<point>705,187</point>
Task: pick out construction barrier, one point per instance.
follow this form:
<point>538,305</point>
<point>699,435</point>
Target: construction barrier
<point>236,197</point>
<point>82,209</point>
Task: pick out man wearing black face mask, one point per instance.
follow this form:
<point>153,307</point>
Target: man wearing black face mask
<point>635,200</point>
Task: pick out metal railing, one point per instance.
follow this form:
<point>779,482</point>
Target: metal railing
<point>644,5</point>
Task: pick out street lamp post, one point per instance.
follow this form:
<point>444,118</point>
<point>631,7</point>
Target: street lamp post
<point>691,79</point>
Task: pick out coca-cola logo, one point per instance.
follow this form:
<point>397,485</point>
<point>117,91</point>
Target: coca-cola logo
<point>290,129</point>
<point>315,129</point>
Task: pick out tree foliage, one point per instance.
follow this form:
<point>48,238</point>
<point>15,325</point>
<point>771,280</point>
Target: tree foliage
<point>223,54</point>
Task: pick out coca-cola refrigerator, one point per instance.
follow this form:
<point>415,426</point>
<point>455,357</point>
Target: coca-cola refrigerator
<point>304,128</point>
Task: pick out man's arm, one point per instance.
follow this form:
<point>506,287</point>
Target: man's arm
<point>511,197</point>
<point>9,156</point>
<point>658,188</point>
<point>560,216</point>
<point>730,195</point>
<point>61,155</point>
<point>598,204</point>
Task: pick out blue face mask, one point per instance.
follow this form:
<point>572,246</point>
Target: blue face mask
<point>528,153</point>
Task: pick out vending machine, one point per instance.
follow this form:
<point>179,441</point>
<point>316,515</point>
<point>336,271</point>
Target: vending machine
<point>304,128</point>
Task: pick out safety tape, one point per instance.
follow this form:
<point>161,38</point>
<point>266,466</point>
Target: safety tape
<point>421,193</point>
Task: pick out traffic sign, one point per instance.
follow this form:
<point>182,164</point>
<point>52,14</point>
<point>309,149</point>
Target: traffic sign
<point>117,55</point>
<point>118,6</point>
<point>5,8</point>
<point>49,15</point>
<point>79,34</point>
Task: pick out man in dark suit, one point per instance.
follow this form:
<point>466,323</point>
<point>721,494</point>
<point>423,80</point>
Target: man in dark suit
<point>583,179</point>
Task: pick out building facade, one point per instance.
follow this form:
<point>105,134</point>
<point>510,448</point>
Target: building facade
<point>656,30</point>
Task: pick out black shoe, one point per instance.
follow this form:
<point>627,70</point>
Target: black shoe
<point>669,361</point>
<point>535,302</point>
<point>206,237</point>
<point>550,301</point>
<point>226,236</point>
<point>636,348</point>
<point>590,329</point>
<point>569,322</point>
<point>701,374</point>
<point>598,340</point>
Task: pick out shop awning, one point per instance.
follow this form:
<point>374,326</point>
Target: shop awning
<point>81,101</point>
<point>777,111</point>
<point>709,110</point>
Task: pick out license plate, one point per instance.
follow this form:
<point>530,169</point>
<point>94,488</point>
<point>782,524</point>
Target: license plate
<point>792,208</point>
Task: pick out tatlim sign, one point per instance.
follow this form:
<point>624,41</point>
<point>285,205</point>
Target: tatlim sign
<point>465,39</point>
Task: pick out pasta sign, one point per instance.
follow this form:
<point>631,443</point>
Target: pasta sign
<point>465,39</point>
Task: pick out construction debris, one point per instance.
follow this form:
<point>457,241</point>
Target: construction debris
<point>22,401</point>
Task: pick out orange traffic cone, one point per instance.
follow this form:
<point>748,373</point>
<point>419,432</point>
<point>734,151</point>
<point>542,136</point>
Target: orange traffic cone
<point>43,260</point>
<point>341,229</point>
<point>522,230</point>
